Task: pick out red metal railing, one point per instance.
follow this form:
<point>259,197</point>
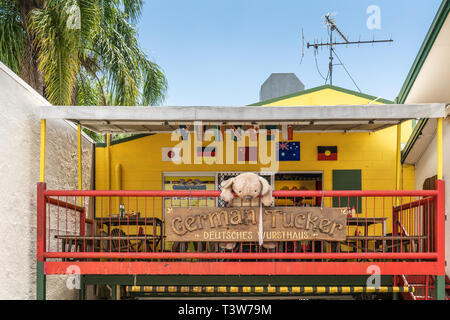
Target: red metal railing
<point>400,231</point>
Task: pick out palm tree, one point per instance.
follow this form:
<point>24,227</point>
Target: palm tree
<point>81,52</point>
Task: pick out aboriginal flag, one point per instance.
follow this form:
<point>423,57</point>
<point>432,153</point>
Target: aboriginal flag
<point>327,153</point>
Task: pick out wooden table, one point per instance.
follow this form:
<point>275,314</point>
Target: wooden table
<point>366,222</point>
<point>156,223</point>
<point>80,243</point>
<point>130,221</point>
<point>353,241</point>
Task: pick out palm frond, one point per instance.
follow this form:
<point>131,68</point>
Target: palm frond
<point>133,8</point>
<point>116,43</point>
<point>155,84</point>
<point>12,36</point>
<point>133,78</point>
<point>58,51</point>
<point>89,22</point>
<point>81,48</point>
<point>88,90</point>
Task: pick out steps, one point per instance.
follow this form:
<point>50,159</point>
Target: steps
<point>420,287</point>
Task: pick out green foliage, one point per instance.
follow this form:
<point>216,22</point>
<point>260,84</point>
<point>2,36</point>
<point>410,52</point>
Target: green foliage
<point>12,36</point>
<point>87,51</point>
<point>58,48</point>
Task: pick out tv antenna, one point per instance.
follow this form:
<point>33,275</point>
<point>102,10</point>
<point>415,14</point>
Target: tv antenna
<point>332,27</point>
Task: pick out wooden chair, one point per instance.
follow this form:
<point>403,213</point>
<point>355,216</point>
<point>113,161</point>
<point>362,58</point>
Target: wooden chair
<point>122,245</point>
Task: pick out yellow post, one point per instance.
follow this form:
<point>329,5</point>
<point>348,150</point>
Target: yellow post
<point>108,168</point>
<point>398,164</point>
<point>42,155</point>
<point>80,168</point>
<point>108,161</point>
<point>398,158</point>
<point>439,148</point>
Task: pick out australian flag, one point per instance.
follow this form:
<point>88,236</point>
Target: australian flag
<point>288,151</point>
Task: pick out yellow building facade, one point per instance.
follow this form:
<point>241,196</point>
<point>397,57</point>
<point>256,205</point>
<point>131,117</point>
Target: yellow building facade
<point>366,160</point>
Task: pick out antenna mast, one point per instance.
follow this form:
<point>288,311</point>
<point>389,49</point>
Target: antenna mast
<point>333,27</point>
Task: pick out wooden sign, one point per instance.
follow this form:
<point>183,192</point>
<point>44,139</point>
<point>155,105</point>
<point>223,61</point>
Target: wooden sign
<point>237,224</point>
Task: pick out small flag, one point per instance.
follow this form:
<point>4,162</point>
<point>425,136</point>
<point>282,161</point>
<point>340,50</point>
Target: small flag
<point>288,151</point>
<point>253,133</point>
<point>217,133</point>
<point>184,130</point>
<point>327,153</point>
<point>236,133</point>
<point>206,152</point>
<point>199,129</point>
<point>222,131</point>
<point>287,132</point>
<point>171,154</point>
<point>247,153</point>
<point>270,135</point>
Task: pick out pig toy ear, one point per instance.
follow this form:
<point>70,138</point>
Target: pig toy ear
<point>266,192</point>
<point>227,193</point>
<point>265,186</point>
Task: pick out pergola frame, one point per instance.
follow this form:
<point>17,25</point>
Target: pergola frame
<point>343,118</point>
<point>164,119</point>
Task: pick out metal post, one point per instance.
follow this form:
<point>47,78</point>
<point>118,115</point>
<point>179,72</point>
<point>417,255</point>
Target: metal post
<point>82,292</point>
<point>331,56</point>
<point>440,217</point>
<point>439,148</point>
<point>113,292</point>
<point>40,243</point>
<point>440,287</point>
<point>395,295</point>
<point>42,155</point>
<point>83,227</point>
<point>398,158</point>
<point>40,281</point>
<point>80,167</point>
<point>108,160</point>
<point>440,240</point>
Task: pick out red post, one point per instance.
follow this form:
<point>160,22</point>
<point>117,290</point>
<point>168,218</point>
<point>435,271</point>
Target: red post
<point>395,215</point>
<point>41,221</point>
<point>395,223</point>
<point>83,227</point>
<point>440,225</point>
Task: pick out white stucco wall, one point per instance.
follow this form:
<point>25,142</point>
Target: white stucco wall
<point>19,171</point>
<point>427,167</point>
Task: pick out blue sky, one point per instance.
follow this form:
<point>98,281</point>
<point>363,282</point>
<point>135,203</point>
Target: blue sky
<point>219,52</point>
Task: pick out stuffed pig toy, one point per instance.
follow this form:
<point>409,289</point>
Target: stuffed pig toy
<point>246,189</point>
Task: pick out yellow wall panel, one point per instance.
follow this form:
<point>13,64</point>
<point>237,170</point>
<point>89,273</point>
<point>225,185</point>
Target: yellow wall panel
<point>137,164</point>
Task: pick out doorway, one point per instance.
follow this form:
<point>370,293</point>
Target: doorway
<point>308,181</point>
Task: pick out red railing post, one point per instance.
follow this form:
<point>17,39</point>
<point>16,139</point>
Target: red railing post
<point>440,225</point>
<point>83,222</point>
<point>83,226</point>
<point>395,223</point>
<point>439,286</point>
<point>41,221</point>
<point>395,215</point>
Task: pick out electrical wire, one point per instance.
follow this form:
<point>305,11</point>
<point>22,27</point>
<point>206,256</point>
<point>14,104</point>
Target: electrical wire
<point>317,67</point>
<point>348,73</point>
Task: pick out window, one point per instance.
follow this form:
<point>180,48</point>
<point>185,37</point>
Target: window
<point>347,180</point>
<point>298,181</point>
